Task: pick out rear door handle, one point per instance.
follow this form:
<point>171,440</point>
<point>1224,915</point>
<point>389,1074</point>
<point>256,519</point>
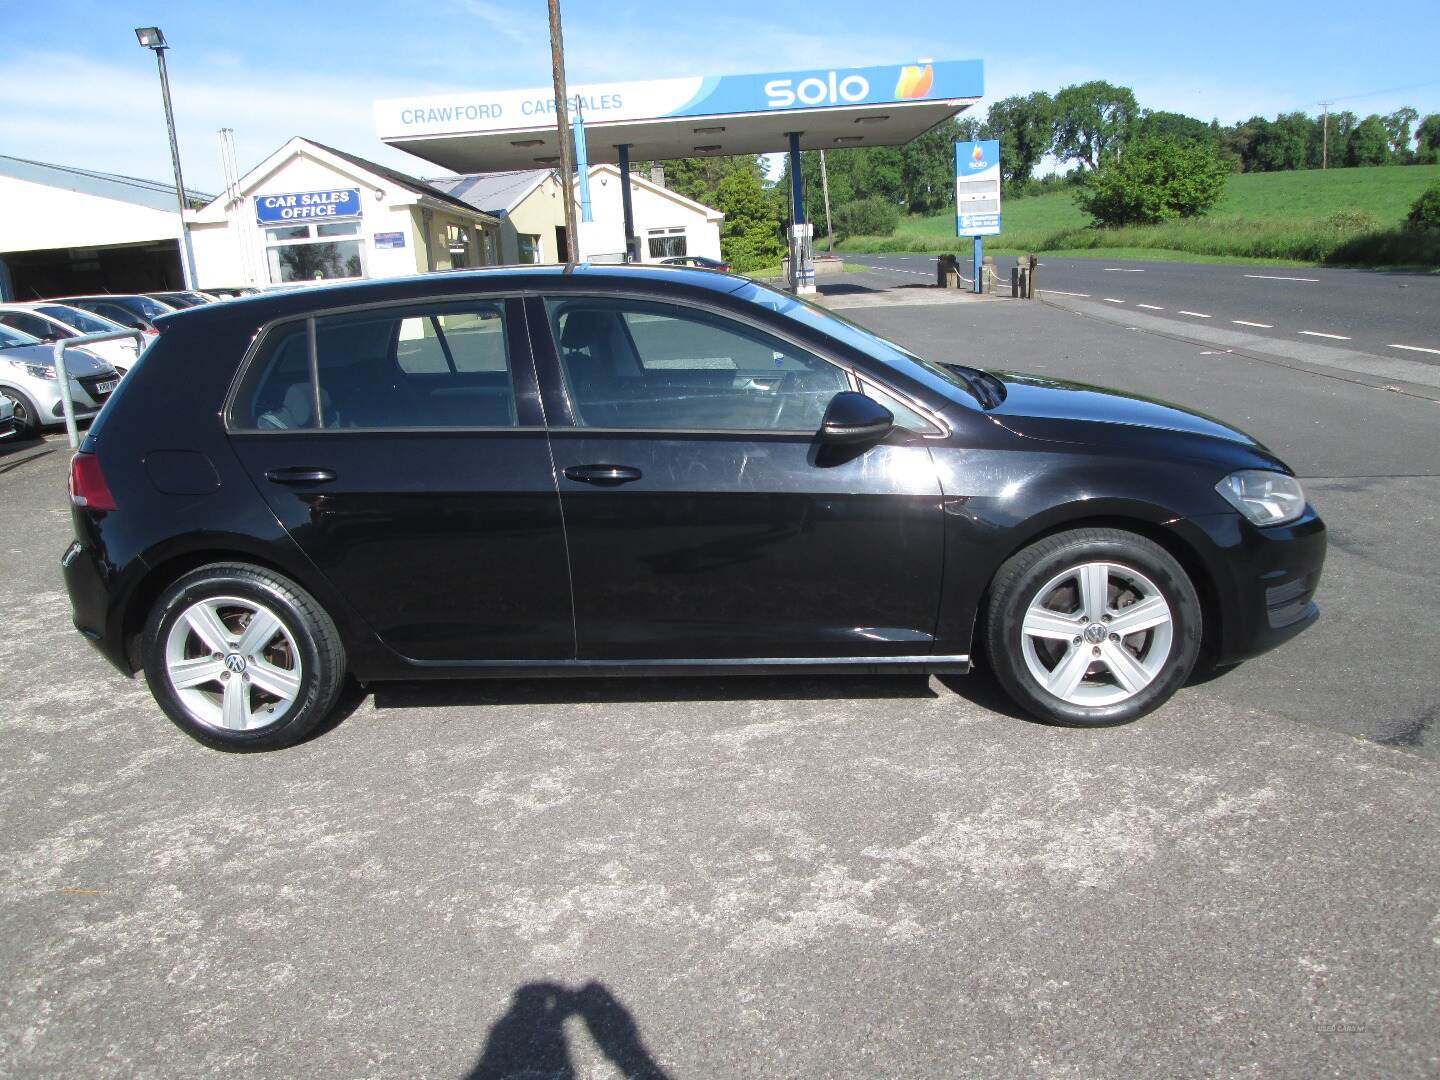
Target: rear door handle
<point>603,475</point>
<point>300,474</point>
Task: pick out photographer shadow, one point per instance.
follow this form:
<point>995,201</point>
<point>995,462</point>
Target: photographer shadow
<point>529,1041</point>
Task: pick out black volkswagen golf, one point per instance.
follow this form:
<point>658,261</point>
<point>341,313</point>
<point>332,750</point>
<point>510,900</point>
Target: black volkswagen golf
<point>621,470</point>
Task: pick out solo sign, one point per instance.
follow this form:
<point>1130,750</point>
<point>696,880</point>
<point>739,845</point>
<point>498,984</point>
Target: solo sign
<point>977,188</point>
<point>307,206</point>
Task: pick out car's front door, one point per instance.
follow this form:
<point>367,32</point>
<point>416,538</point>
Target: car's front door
<point>422,485</point>
<point>703,518</point>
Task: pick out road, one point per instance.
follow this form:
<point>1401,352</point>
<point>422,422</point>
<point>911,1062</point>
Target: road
<point>1383,313</point>
<point>763,876</point>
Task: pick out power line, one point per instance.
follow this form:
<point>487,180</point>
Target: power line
<point>1391,90</point>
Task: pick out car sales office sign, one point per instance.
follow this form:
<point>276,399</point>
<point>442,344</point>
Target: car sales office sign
<point>977,188</point>
<point>307,206</point>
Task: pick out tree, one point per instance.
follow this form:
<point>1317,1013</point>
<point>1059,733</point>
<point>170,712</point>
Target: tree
<point>927,170</point>
<point>1427,140</point>
<point>1156,180</point>
<point>1425,213</point>
<point>1369,143</point>
<point>1397,126</point>
<point>1155,124</point>
<point>1093,122</point>
<point>1284,144</point>
<point>1025,129</point>
<point>750,236</point>
<point>867,217</point>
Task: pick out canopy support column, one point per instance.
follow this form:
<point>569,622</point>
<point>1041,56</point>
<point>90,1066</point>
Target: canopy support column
<point>632,242</point>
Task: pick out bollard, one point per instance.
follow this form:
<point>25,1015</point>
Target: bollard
<point>947,272</point>
<point>1031,291</point>
<point>1015,281</point>
<point>988,269</point>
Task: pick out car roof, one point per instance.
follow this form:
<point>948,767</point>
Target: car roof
<point>280,302</point>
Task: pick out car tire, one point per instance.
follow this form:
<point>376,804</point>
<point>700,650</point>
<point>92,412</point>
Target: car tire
<point>1054,630</point>
<point>27,420</point>
<point>221,676</point>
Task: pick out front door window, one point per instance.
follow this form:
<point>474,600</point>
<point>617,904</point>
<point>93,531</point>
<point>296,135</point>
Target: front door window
<point>651,366</point>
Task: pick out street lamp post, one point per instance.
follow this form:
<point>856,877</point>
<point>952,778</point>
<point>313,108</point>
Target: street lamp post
<point>153,38</point>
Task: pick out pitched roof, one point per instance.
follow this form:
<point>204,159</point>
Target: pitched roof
<point>410,183</point>
<point>155,194</point>
<point>494,193</point>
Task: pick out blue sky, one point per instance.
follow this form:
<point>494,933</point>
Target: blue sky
<point>77,89</point>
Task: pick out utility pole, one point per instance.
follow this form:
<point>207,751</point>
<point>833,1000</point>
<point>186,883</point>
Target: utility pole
<point>825,187</point>
<point>562,127</point>
<point>1325,136</point>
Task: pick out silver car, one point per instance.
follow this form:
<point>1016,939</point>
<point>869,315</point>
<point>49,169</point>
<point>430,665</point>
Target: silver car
<point>27,378</point>
<point>7,418</point>
<point>51,321</point>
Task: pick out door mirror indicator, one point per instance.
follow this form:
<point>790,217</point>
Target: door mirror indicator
<point>854,418</point>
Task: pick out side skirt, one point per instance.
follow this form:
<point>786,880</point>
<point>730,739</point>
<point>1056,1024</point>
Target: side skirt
<point>819,665</point>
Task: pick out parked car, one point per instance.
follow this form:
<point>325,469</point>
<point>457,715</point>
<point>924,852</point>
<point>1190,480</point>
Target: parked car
<point>134,312</point>
<point>698,262</point>
<point>231,291</point>
<point>646,471</point>
<point>57,322</point>
<point>27,378</point>
<point>186,298</point>
<point>7,418</point>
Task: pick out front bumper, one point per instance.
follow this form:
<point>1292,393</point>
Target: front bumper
<point>1266,581</point>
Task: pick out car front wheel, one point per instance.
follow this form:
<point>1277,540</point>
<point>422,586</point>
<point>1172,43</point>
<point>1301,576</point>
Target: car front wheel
<point>241,658</point>
<point>1092,627</point>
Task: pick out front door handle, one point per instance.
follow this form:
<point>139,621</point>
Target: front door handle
<point>603,475</point>
<point>300,474</point>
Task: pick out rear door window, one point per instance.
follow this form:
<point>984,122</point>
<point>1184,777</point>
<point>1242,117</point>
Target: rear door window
<point>444,367</point>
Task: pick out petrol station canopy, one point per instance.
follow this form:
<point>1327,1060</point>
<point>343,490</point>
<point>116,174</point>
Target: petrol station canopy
<point>694,116</point>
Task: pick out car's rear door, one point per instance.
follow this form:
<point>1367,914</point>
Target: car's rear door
<point>422,485</point>
<point>704,520</point>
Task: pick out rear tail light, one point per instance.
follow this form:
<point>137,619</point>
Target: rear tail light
<point>87,483</point>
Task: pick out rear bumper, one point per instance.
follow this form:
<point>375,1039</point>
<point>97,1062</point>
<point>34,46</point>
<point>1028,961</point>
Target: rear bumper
<point>87,580</point>
<point>1268,582</point>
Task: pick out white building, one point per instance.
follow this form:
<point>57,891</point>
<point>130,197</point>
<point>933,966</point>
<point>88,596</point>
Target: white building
<point>532,215</point>
<point>66,230</point>
<point>310,212</point>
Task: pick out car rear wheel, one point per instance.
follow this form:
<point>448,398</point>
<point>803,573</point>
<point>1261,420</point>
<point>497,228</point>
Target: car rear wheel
<point>27,421</point>
<point>241,658</point>
<point>1092,627</point>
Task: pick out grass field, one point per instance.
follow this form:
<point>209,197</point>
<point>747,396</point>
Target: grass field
<point>1287,217</point>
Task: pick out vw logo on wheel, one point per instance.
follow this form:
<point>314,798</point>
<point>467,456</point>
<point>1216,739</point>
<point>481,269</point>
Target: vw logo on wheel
<point>1094,633</point>
<point>235,662</point>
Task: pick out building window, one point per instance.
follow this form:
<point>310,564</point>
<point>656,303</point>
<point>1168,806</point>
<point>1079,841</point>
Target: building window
<point>667,243</point>
<point>529,248</point>
<point>313,252</point>
<point>457,242</point>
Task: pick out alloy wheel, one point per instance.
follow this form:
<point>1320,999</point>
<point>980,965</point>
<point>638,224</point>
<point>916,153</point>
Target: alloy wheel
<point>1097,634</point>
<point>233,664</point>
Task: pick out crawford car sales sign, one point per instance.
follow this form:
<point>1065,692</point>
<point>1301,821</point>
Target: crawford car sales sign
<point>307,206</point>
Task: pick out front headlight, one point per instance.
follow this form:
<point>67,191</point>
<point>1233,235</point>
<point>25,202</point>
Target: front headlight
<point>1264,497</point>
<point>39,371</point>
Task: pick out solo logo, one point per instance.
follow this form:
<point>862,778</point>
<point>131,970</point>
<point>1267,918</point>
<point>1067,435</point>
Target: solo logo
<point>831,90</point>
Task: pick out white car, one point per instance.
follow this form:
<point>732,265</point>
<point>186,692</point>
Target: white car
<point>27,378</point>
<point>50,321</point>
<point>7,418</point>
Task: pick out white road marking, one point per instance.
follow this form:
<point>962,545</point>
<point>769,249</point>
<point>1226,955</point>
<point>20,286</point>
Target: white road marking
<point>1262,325</point>
<point>1278,277</point>
<point>1197,314</point>
<point>1416,348</point>
<point>1317,333</point>
<point>1150,307</point>
<point>1112,300</point>
<point>1062,292</point>
<point>1122,270</point>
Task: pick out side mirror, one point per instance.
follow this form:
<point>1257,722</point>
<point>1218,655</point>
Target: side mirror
<point>854,418</point>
